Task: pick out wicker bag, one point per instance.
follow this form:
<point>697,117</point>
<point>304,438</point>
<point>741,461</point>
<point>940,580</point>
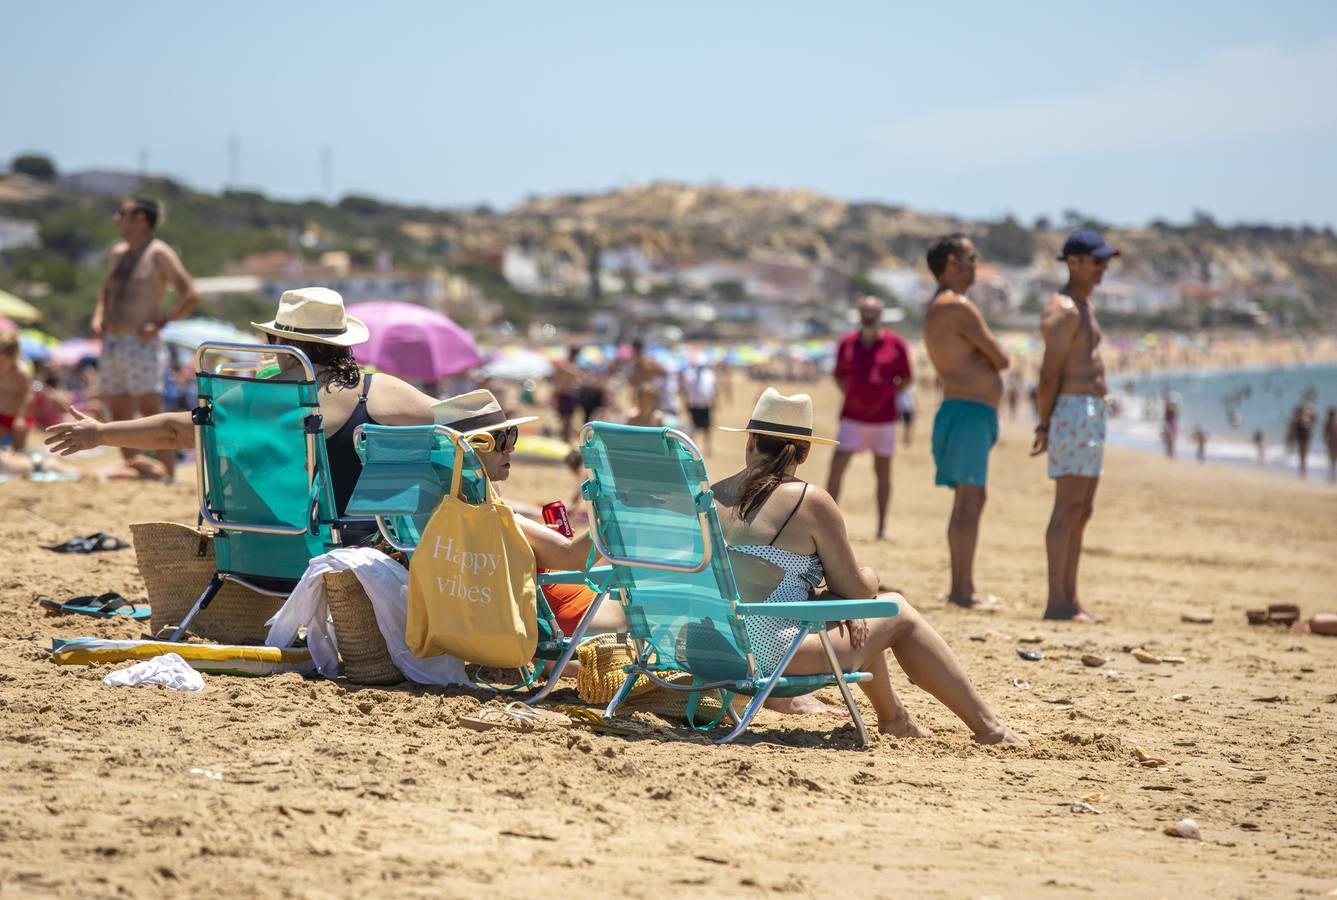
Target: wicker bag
<point>601,676</point>
<point>176,562</point>
<point>365,656</point>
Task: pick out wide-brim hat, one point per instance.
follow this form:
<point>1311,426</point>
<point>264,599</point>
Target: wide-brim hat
<point>315,314</point>
<point>474,413</point>
<point>784,417</point>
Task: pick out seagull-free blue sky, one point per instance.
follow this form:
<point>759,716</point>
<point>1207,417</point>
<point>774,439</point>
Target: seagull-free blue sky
<point>1128,111</point>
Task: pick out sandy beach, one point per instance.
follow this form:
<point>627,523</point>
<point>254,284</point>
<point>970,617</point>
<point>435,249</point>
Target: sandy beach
<point>287,787</point>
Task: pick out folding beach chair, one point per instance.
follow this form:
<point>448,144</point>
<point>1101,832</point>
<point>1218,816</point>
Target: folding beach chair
<point>654,520</point>
<point>406,471</point>
<point>263,476</point>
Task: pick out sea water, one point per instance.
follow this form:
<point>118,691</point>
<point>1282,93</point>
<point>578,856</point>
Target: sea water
<point>1229,405</point>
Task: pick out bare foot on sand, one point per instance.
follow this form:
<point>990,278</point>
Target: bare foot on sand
<point>1073,614</point>
<point>977,602</point>
<point>1001,734</point>
<point>904,727</point>
<point>806,705</point>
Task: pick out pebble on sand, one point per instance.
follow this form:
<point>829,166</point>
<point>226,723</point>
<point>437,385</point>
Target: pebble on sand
<point>1185,828</point>
<point>1090,659</point>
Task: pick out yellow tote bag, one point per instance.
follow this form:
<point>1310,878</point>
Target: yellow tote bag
<point>472,588</point>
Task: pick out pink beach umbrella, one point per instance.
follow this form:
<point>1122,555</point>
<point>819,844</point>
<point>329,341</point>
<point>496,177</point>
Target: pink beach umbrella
<point>68,353</point>
<point>414,341</point>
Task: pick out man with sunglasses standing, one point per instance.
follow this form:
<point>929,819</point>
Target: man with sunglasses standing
<point>1071,405</point>
<point>129,315</point>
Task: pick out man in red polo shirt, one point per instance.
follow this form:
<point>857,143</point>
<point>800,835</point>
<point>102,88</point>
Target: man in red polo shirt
<point>872,366</point>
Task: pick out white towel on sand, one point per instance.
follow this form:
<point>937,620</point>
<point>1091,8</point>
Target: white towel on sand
<point>168,670</point>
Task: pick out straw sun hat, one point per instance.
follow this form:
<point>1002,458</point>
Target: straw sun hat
<point>315,314</point>
<point>784,417</point>
<point>474,413</point>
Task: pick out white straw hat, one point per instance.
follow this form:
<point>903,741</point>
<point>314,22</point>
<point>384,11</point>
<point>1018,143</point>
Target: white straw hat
<point>315,314</point>
<point>474,413</point>
<point>784,417</point>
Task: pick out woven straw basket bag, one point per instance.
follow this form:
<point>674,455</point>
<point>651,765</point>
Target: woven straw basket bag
<point>365,657</point>
<point>176,562</point>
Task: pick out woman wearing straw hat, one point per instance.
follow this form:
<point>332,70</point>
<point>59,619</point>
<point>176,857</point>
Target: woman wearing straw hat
<point>787,536</point>
<point>313,320</point>
<point>478,413</point>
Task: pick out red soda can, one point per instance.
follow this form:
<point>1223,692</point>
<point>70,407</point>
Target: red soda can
<point>554,516</point>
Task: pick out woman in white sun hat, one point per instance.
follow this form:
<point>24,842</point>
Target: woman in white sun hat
<point>786,537</point>
<point>313,320</point>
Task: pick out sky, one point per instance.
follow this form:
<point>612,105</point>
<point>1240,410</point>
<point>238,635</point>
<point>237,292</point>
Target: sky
<point>1127,112</point>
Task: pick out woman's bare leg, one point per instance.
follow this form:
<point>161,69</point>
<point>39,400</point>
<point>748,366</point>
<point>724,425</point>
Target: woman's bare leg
<point>926,659</point>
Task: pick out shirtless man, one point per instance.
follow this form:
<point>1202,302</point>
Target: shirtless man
<point>15,393</point>
<point>969,360</point>
<point>641,371</point>
<point>566,381</point>
<point>128,315</point>
<point>1071,405</point>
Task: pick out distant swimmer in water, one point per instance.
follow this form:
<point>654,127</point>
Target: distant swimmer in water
<point>1170,430</point>
<point>1260,442</point>
<point>1200,439</point>
<point>1330,438</point>
<point>1300,433</point>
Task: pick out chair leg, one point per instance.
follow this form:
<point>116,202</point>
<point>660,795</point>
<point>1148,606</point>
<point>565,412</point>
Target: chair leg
<point>622,694</point>
<point>845,692</point>
<point>201,602</point>
<point>742,722</point>
<point>581,627</point>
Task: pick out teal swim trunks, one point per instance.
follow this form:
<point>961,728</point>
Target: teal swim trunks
<point>963,434</point>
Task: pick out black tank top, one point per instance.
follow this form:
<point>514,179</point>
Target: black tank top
<point>345,466</point>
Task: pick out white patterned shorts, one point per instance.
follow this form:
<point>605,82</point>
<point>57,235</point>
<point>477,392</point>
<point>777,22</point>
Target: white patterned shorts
<point>1077,436</point>
<point>131,365</point>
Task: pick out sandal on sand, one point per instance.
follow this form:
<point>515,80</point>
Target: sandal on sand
<point>591,719</point>
<point>93,543</point>
<point>104,606</point>
<point>515,716</point>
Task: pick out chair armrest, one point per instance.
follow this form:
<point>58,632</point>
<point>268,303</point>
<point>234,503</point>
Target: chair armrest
<point>575,576</point>
<point>823,610</point>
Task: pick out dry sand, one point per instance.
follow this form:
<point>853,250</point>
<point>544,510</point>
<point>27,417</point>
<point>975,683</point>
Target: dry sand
<point>331,789</point>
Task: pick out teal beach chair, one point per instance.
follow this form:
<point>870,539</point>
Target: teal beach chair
<point>654,520</point>
<point>262,472</point>
<point>406,471</point>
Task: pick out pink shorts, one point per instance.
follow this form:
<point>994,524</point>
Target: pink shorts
<point>880,437</point>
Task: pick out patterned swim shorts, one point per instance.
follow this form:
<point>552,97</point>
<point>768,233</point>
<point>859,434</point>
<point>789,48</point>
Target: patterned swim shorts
<point>1077,436</point>
<point>131,365</point>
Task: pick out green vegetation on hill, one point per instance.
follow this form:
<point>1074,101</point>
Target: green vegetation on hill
<point>1293,270</point>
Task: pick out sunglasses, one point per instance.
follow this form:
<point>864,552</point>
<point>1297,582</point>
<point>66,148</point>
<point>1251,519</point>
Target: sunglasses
<point>505,439</point>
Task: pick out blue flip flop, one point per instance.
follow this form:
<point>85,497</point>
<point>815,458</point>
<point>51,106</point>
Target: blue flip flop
<point>104,606</point>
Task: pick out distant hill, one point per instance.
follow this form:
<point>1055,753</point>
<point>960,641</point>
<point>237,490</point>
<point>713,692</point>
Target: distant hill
<point>670,224</point>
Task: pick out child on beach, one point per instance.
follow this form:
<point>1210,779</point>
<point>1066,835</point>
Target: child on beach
<point>647,412</point>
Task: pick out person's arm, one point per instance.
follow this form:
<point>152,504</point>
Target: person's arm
<point>394,401</point>
<point>175,274</point>
<point>165,431</point>
<point>844,576</point>
<point>1058,327</point>
<point>842,371</point>
<point>554,550</point>
<point>971,326</point>
<point>903,377</point>
<point>100,308</point>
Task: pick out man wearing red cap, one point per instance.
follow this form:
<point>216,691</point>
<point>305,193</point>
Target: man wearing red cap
<point>1071,404</point>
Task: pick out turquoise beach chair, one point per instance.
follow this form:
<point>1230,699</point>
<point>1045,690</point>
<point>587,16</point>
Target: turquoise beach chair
<point>405,474</point>
<point>262,473</point>
<point>654,520</point>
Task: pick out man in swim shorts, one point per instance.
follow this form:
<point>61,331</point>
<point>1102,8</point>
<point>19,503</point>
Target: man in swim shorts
<point>129,313</point>
<point>1071,405</point>
<point>969,361</point>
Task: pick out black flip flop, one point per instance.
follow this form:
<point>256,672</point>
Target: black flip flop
<point>93,543</point>
<point>103,606</point>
